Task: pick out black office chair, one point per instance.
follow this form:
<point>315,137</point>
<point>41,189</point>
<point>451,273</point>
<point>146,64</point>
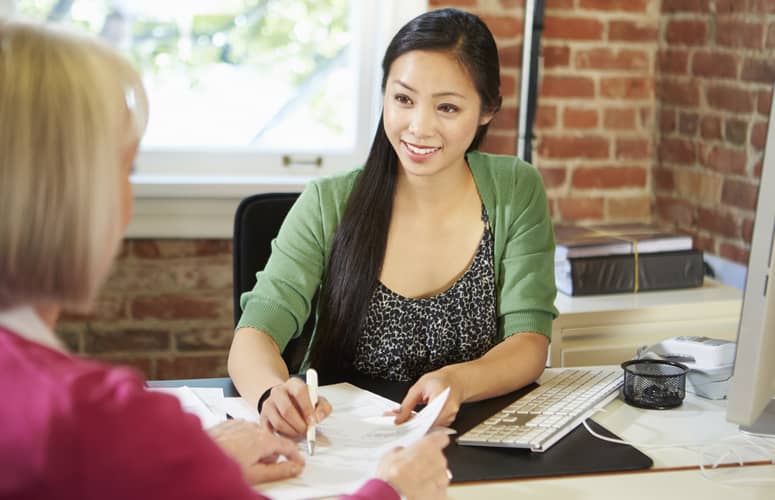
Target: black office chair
<point>256,223</point>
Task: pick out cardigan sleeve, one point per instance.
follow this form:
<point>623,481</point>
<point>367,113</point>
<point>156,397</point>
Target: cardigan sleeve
<point>280,302</point>
<point>527,290</point>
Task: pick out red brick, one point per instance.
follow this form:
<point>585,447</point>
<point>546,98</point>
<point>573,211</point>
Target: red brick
<point>757,169</point>
<point>556,56</point>
<point>546,117</point>
<point>704,243</point>
<point>647,116</point>
<point>510,3</point>
<point>739,193</point>
<point>511,56</point>
<point>677,211</point>
<point>506,118</point>
<point>572,28</point>
<point>143,364</point>
<point>663,179</point>
<point>105,340</point>
<point>203,339</point>
<point>701,6</point>
<point>714,64</point>
<point>579,118</point>
<point>759,135</point>
<point>573,147</point>
<point>674,62</point>
<point>615,5</point>
<point>758,70</point>
<point>734,252</point>
<point>687,123</point>
<point>508,85</point>
<point>739,34</point>
<point>581,208</point>
<point>747,230</point>
<point>500,144</point>
<point>726,160</point>
<point>629,208</point>
<point>678,151</point>
<point>687,32</point>
<point>730,99</point>
<point>182,367</point>
<point>177,307</point>
<point>607,59</point>
<point>567,86</point>
<point>633,149</point>
<point>608,177</point>
<point>626,88</point>
<point>718,222</point>
<point>771,36</point>
<point>503,26</point>
<point>107,307</point>
<point>735,131</point>
<point>761,6</point>
<point>764,102</point>
<point>553,177</point>
<point>725,7</point>
<point>702,186</point>
<point>559,4</point>
<point>619,118</point>
<point>710,127</point>
<point>679,93</point>
<point>667,120</point>
<point>632,31</point>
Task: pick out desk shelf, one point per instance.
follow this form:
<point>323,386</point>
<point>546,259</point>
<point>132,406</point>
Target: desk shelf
<point>608,329</point>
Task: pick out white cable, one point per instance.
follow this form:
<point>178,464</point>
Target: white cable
<point>754,444</point>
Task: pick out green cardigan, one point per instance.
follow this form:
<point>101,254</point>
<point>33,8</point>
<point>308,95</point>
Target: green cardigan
<point>512,193</point>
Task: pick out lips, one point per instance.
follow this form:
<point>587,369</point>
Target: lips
<point>422,151</point>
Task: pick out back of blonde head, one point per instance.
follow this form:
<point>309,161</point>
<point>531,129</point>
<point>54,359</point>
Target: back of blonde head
<point>70,107</point>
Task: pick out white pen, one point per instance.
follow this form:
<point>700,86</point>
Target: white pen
<point>312,386</point>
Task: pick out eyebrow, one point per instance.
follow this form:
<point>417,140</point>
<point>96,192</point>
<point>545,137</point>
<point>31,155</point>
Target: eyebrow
<point>437,94</point>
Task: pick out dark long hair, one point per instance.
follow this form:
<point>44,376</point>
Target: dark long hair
<point>358,248</point>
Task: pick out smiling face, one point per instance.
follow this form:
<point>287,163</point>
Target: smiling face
<point>431,112</point>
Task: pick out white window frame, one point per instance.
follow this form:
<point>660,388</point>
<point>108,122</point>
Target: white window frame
<point>185,194</point>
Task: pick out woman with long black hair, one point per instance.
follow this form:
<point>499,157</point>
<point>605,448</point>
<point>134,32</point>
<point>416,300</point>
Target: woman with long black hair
<point>434,261</point>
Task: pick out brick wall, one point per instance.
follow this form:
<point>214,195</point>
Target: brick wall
<point>648,109</point>
<point>716,66</point>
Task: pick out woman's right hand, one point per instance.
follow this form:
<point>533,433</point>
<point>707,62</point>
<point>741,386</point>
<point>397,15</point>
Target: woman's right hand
<point>418,471</point>
<point>288,409</point>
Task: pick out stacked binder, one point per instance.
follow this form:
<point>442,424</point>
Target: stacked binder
<point>621,258</point>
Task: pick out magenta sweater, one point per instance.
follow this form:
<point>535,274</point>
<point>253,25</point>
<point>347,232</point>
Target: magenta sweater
<point>76,428</point>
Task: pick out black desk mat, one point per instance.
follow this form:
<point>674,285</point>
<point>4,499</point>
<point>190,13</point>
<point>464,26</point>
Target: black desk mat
<point>577,453</point>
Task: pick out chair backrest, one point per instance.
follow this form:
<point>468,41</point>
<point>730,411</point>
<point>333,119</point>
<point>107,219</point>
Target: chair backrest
<point>256,223</point>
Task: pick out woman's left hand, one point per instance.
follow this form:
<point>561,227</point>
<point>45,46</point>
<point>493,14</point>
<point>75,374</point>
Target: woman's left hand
<point>429,386</point>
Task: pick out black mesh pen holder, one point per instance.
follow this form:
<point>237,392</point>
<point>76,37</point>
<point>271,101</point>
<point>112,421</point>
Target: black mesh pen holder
<point>654,384</point>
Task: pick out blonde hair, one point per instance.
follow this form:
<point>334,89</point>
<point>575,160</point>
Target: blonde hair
<point>70,107</point>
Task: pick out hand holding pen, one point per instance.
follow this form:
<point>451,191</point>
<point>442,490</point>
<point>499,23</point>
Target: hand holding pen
<point>288,408</point>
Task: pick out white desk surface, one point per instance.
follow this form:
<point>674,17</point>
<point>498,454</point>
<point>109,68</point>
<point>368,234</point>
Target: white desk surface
<point>698,423</point>
<point>664,485</point>
<point>711,292</point>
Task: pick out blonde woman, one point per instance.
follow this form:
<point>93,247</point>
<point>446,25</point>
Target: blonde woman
<point>73,113</point>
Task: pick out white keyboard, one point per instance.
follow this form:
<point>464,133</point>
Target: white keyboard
<point>549,412</point>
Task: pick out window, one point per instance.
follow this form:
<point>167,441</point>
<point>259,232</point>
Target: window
<point>246,95</point>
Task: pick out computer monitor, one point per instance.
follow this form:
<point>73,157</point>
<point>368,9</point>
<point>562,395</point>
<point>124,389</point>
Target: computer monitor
<point>752,387</point>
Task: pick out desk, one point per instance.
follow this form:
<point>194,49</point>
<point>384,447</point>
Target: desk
<point>607,329</point>
<point>665,485</point>
<point>697,420</point>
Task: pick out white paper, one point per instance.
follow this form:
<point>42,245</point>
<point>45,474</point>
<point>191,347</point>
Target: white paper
<point>192,402</point>
<point>351,441</point>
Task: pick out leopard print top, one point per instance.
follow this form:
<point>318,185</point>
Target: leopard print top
<point>404,338</point>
